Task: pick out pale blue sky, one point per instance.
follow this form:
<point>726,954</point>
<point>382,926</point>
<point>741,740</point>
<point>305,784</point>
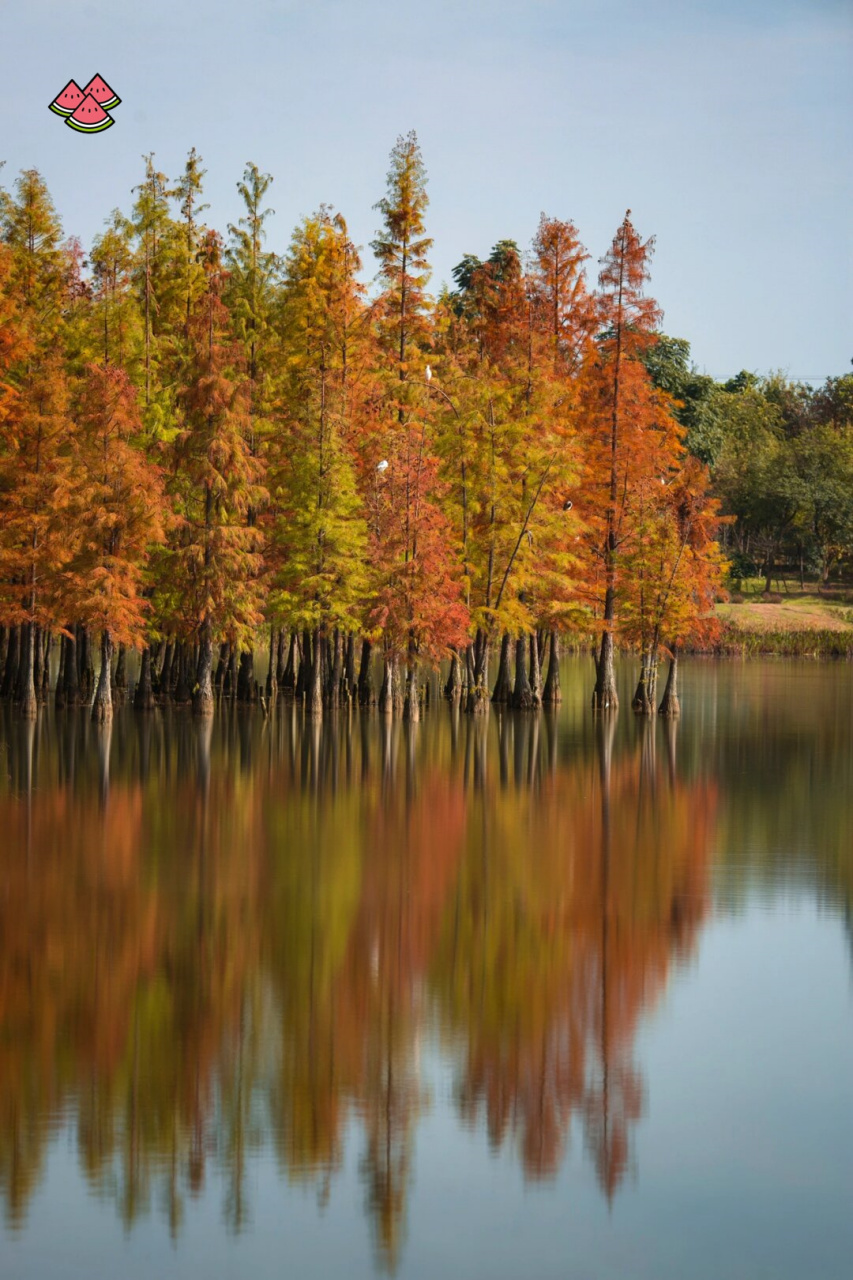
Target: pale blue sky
<point>726,127</point>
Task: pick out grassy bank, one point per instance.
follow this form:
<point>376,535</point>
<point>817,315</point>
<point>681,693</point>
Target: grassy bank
<point>798,624</point>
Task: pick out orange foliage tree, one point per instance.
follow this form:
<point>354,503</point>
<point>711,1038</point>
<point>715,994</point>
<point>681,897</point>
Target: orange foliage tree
<point>119,503</point>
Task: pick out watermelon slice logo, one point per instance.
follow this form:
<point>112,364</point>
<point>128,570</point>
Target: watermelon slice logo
<point>87,109</point>
<point>102,93</point>
<point>67,101</point>
<point>90,117</point>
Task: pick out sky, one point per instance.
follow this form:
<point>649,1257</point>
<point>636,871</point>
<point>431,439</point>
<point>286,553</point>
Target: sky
<point>725,126</point>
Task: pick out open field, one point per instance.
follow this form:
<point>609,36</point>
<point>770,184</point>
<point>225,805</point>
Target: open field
<point>796,624</point>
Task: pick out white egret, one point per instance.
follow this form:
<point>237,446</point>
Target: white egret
<point>383,465</point>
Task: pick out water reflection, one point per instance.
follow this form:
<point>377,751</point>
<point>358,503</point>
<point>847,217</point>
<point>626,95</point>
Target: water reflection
<point>223,939</point>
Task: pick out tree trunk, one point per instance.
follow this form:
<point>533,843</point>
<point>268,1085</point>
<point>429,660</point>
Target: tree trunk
<point>272,670</point>
<point>315,690</point>
<point>26,685</point>
<point>183,693</point>
<point>59,696</point>
<point>535,671</point>
<point>333,673</point>
<point>221,666</point>
<point>280,657</point>
<point>643,700</point>
<point>411,702</point>
<point>143,697</point>
<point>45,667</point>
<point>468,684</point>
<point>478,692</point>
<point>246,676</point>
<point>502,691</point>
<point>453,685</point>
<point>121,675</point>
<point>203,701</point>
<point>229,684</point>
<point>86,663</point>
<point>288,679</point>
<point>349,667</point>
<point>102,703</point>
<point>38,659</point>
<point>390,696</point>
<point>306,666</point>
<point>522,694</point>
<point>552,694</point>
<point>72,679</point>
<point>10,670</point>
<point>670,707</point>
<point>604,697</point>
<point>365,688</point>
<point>164,675</point>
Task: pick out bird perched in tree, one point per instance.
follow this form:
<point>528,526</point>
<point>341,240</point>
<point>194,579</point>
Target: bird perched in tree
<point>428,374</point>
<point>383,465</point>
<point>567,505</point>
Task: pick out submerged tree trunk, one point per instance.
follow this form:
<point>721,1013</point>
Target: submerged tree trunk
<point>552,694</point>
<point>288,678</point>
<point>120,679</point>
<point>670,707</point>
<point>86,663</point>
<point>38,659</point>
<point>411,702</point>
<point>535,671</point>
<point>334,671</point>
<point>183,693</point>
<point>221,666</point>
<point>102,703</point>
<point>522,694</point>
<point>10,669</point>
<point>502,691</point>
<point>45,668</point>
<point>26,684</point>
<point>272,671</point>
<point>645,697</point>
<point>280,656</point>
<point>391,695</point>
<point>71,679</point>
<point>306,666</point>
<point>164,677</point>
<point>349,668</point>
<point>604,697</point>
<point>203,701</point>
<point>315,689</point>
<point>365,688</point>
<point>229,684</point>
<point>143,697</point>
<point>453,684</point>
<point>59,696</point>
<point>246,677</point>
<point>478,688</point>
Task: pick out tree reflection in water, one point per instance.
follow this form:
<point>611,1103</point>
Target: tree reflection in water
<point>236,936</point>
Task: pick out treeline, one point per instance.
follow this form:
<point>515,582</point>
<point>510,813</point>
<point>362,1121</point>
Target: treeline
<point>781,460</point>
<point>207,446</point>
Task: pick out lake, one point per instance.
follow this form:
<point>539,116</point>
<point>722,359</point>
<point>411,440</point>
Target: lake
<point>520,996</point>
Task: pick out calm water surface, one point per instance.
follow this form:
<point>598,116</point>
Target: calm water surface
<point>533,997</point>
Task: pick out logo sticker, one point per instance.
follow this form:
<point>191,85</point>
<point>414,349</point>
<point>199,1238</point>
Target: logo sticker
<point>87,109</point>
